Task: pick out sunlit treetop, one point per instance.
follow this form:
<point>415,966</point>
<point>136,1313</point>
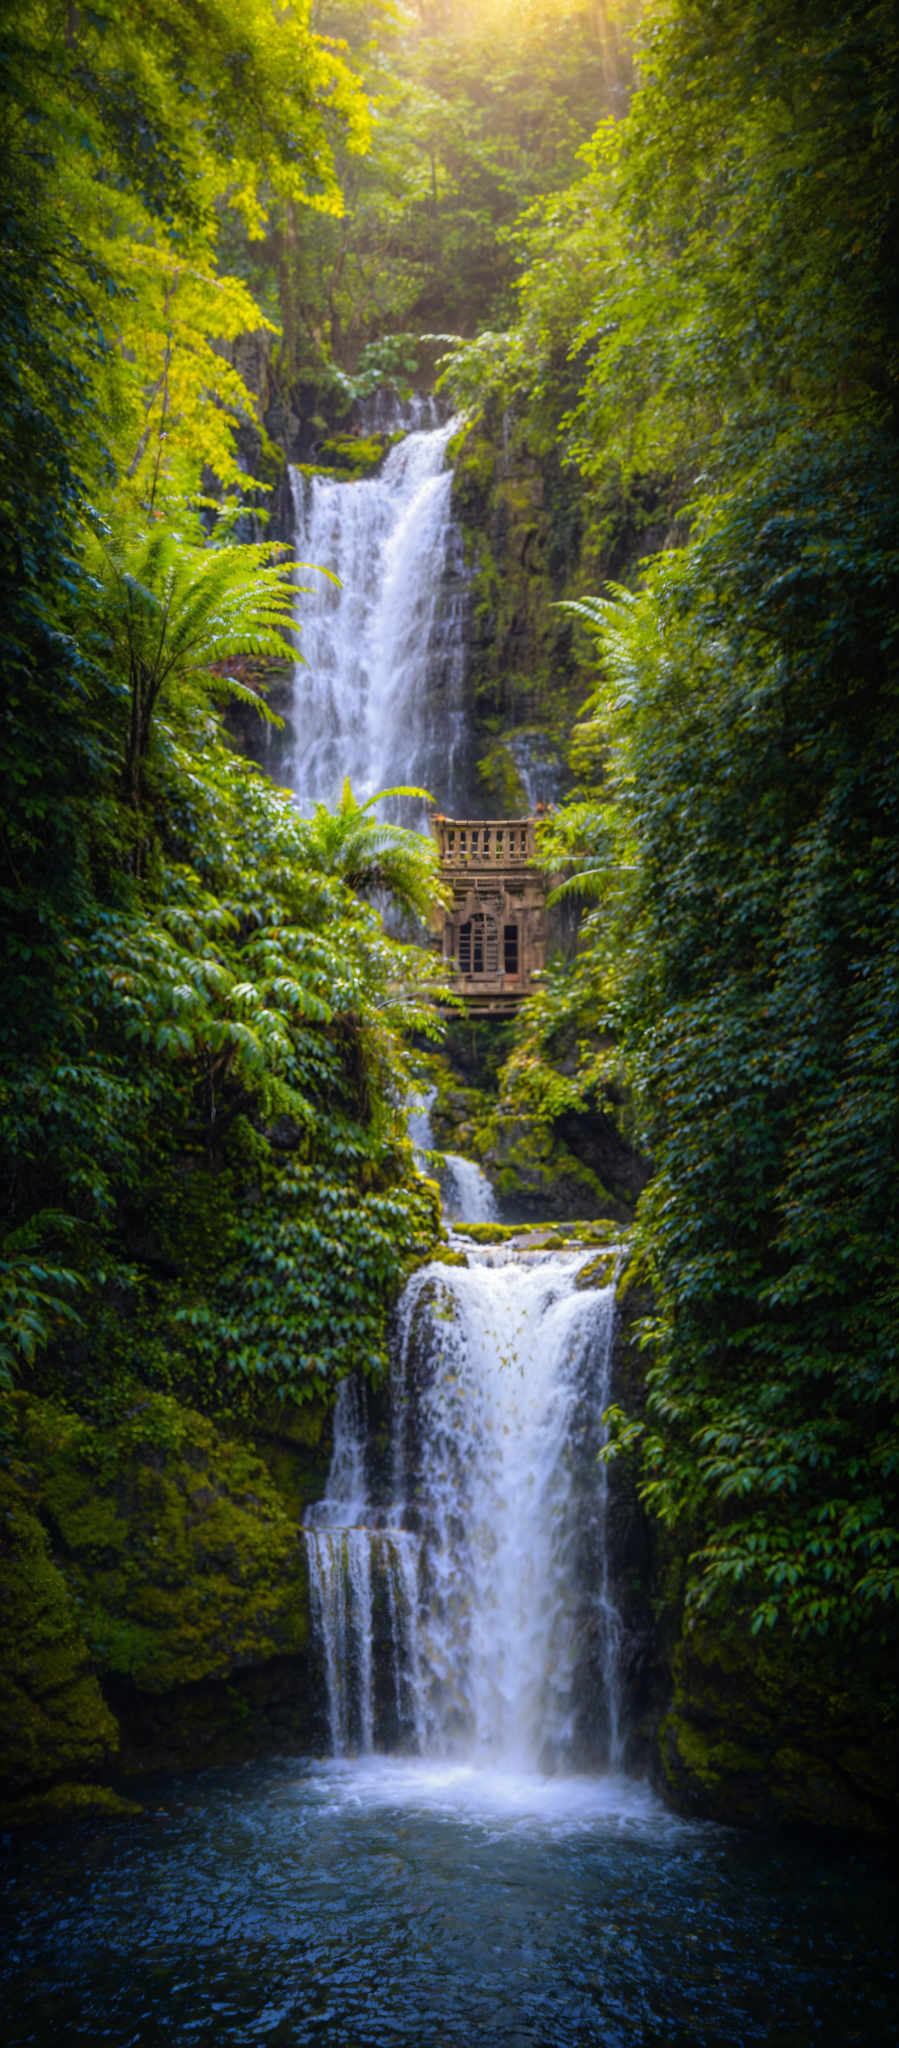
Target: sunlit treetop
<point>187,103</point>
<point>139,125</point>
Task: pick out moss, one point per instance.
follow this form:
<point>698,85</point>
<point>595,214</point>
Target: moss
<point>631,1284</point>
<point>532,1167</point>
<point>545,1235</point>
<point>296,1422</point>
<point>176,1545</point>
<point>599,1232</point>
<point>711,1763</point>
<point>351,455</point>
<point>295,1444</point>
<point>500,776</point>
<point>769,1730</point>
<point>487,1233</point>
<point>68,1802</point>
<point>598,1272</point>
<point>444,1257</point>
<point>52,1712</point>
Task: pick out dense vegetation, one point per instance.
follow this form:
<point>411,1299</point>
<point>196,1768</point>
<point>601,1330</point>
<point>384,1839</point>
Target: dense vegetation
<point>203,1024</point>
<point>687,341</point>
<point>713,304</point>
<point>477,109</point>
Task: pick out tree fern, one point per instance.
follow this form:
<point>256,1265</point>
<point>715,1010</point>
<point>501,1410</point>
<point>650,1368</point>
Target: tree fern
<point>173,607</point>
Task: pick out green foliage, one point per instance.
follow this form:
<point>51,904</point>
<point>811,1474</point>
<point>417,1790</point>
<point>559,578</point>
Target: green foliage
<point>305,1276</point>
<point>133,194</point>
<point>203,1024</point>
<point>55,1719</point>
<point>172,608</point>
<point>715,301</point>
<point>374,857</point>
<point>254,990</point>
<point>765,1060</point>
<point>475,114</point>
<point>176,1556</point>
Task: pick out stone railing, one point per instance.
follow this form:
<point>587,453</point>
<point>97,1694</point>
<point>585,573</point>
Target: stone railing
<point>485,842</point>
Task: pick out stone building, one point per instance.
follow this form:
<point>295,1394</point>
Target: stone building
<point>494,928</point>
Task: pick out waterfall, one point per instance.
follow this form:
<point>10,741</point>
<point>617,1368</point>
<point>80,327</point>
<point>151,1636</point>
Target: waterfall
<point>466,1193</point>
<point>347,1553</point>
<point>378,695</point>
<point>485,1563</point>
<point>460,1595</point>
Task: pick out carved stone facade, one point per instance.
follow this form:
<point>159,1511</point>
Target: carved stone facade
<point>494,930</point>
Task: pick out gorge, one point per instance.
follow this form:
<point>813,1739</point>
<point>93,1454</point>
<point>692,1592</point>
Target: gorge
<point>475,1849</point>
<point>448,1451</point>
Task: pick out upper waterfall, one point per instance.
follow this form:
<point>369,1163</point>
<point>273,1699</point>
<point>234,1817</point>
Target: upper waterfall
<point>378,691</point>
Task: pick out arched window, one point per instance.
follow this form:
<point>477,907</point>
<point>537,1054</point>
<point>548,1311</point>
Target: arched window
<point>479,945</point>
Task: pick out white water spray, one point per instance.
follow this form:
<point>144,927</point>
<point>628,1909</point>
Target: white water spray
<point>467,1194</point>
<point>350,1549</point>
<point>463,1607</point>
<point>484,1547</point>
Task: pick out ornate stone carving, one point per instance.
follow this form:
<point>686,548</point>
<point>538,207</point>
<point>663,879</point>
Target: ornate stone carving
<point>494,928</point>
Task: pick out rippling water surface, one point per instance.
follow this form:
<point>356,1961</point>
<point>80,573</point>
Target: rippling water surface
<point>360,1904</point>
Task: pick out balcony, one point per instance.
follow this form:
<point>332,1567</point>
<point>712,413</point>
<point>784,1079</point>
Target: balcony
<point>483,844</point>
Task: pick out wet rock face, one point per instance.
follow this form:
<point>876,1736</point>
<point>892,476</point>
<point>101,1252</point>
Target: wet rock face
<point>595,1140</point>
<point>766,1733</point>
<point>181,1555</point>
<point>636,1563</point>
<point>535,1174</point>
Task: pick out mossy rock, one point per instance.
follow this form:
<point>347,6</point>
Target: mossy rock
<point>174,1541</point>
<point>487,1233</point>
<point>769,1731</point>
<point>296,1422</point>
<point>531,1167</point>
<point>600,1232</point>
<point>544,1236</point>
<point>598,1272</point>
<point>69,1802</point>
<point>352,455</point>
<point>54,1719</point>
<point>294,1440</point>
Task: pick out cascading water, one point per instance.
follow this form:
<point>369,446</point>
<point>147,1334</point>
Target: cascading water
<point>458,1608</point>
<point>486,1554</point>
<point>378,695</point>
<point>348,1551</point>
<point>452,1893</point>
<point>466,1193</point>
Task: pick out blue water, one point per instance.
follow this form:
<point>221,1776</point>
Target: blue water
<point>364,1904</point>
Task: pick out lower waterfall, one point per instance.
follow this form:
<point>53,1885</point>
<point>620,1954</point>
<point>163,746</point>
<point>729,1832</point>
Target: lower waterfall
<point>461,1600</point>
